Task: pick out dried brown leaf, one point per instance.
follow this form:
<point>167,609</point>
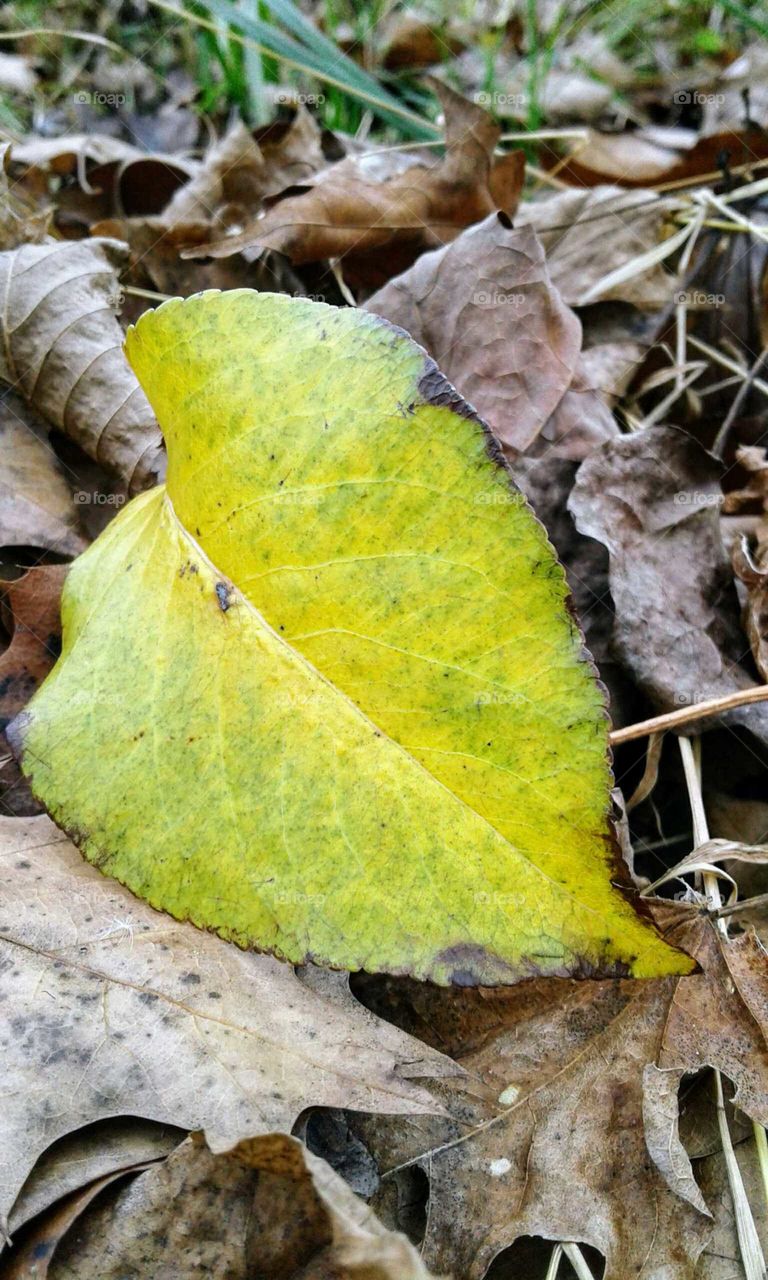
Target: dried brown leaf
<point>268,1210</point>
<point>653,499</point>
<point>552,1135</point>
<point>639,157</point>
<point>156,263</point>
<point>239,170</point>
<point>588,234</point>
<point>36,507</point>
<point>81,1158</point>
<point>379,228</point>
<point>755,579</point>
<point>121,1010</point>
<point>62,349</point>
<point>485,309</point>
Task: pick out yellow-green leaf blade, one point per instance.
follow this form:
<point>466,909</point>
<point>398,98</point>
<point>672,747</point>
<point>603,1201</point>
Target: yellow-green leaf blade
<point>386,749</point>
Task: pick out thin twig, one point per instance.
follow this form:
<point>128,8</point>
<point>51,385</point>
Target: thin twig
<point>689,715</point>
<point>718,445</point>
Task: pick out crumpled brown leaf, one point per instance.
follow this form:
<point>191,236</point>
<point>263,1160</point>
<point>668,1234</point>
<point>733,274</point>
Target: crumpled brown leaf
<point>550,1135</point>
<point>242,168</point>
<point>31,608</point>
<point>122,1010</point>
<point>62,349</point>
<point>36,507</point>
<point>379,228</point>
<point>653,499</point>
<point>267,1210</point>
<point>486,311</point>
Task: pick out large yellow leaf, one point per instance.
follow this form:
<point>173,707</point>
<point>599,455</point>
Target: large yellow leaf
<point>323,694</point>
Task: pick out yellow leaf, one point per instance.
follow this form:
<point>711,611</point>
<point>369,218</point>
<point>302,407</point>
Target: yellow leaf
<point>322,694</point>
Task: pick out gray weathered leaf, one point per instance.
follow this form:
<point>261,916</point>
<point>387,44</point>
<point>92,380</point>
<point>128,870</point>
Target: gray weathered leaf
<point>111,1008</point>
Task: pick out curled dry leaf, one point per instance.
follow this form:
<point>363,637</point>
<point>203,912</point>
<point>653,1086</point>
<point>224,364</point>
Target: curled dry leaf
<point>379,228</point>
<point>485,309</point>
<point>220,646</point>
<point>571,1087</point>
<point>267,1210</point>
<point>653,499</point>
<point>239,170</point>
<point>36,507</point>
<point>83,1157</point>
<point>31,606</point>
<point>121,1010</point>
<point>588,234</point>
<point>62,349</point>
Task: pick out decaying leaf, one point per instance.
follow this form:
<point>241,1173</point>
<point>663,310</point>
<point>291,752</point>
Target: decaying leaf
<point>371,739</point>
<point>83,1157</point>
<point>119,1010</point>
<point>485,309</point>
<point>380,227</point>
<point>62,351</point>
<point>36,507</point>
<point>31,608</point>
<point>268,1210</point>
<point>653,499</point>
<point>572,1086</point>
<point>239,170</point>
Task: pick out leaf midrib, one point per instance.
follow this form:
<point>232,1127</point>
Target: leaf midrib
<point>363,715</point>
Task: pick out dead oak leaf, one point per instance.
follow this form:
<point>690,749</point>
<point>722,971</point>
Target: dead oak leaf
<point>246,166</point>
<point>119,1010</point>
<point>267,1210</point>
<point>580,1139</point>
